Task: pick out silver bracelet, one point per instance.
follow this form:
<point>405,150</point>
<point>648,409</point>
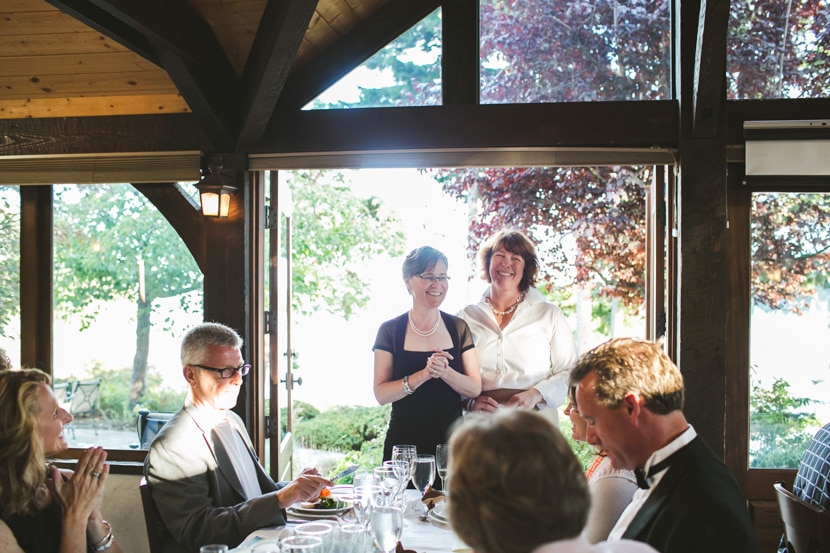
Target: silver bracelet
<point>470,403</point>
<point>409,391</point>
<point>106,541</point>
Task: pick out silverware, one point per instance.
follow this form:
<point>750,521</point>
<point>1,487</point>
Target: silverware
<point>344,473</point>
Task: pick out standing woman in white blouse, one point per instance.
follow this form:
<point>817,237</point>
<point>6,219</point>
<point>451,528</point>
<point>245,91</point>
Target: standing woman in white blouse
<point>524,343</point>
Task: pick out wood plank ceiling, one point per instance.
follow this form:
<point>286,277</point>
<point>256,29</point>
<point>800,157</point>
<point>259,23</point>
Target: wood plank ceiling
<point>226,61</point>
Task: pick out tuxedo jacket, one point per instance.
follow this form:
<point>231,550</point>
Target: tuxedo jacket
<point>195,488</point>
<point>696,507</point>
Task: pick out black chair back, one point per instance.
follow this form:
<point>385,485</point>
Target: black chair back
<point>152,520</point>
<point>806,526</point>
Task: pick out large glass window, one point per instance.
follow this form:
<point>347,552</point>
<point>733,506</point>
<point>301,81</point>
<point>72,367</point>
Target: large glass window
<point>406,72</point>
<point>125,289</point>
<point>10,272</point>
<point>790,326</point>
<point>536,51</point>
<point>778,49</point>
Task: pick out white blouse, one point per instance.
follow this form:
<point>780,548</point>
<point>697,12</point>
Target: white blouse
<point>535,350</point>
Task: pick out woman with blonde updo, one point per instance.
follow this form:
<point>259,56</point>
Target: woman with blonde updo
<point>44,509</point>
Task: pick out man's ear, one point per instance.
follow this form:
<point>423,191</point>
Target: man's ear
<point>189,374</point>
<point>633,404</point>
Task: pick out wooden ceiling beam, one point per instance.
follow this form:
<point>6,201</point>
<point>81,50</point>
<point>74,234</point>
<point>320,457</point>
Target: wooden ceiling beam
<point>710,67</point>
<point>182,43</point>
<point>102,20</point>
<point>277,41</point>
<point>359,44</point>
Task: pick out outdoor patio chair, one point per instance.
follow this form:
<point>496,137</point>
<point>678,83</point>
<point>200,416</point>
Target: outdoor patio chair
<point>84,402</point>
<point>63,391</point>
<point>148,425</point>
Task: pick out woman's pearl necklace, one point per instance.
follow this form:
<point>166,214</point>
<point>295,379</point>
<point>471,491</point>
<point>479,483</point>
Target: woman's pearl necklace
<point>420,332</point>
<point>507,311</point>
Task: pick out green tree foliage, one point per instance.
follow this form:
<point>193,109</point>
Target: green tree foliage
<point>9,258</point>
<point>111,243</point>
<point>780,426</point>
<point>333,232</point>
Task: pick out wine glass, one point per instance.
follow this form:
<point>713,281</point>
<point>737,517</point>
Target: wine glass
<point>403,470</point>
<point>387,525</point>
<point>442,462</point>
<point>364,496</point>
<point>389,483</point>
<point>405,452</point>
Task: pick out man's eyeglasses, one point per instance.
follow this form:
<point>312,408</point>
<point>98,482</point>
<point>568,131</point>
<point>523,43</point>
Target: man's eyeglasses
<point>227,372</point>
<point>438,279</point>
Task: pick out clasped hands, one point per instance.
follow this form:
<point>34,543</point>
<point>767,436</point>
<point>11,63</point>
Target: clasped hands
<point>438,363</point>
<point>527,399</point>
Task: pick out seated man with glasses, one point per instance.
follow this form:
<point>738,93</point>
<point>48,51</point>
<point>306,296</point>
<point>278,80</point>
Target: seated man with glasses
<point>206,480</point>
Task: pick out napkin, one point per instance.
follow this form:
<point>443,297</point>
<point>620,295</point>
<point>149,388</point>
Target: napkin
<point>461,547</point>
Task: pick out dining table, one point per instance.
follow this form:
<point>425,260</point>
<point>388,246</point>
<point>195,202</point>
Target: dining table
<point>421,536</point>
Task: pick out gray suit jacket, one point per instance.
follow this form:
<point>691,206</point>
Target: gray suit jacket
<point>196,490</point>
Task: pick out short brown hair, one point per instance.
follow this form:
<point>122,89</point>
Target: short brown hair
<point>515,483</point>
<point>514,242</point>
<point>625,365</point>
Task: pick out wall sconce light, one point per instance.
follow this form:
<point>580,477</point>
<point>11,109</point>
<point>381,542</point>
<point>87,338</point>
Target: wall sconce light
<point>215,195</point>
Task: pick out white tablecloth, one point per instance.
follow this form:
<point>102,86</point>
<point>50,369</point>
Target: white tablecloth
<point>419,536</point>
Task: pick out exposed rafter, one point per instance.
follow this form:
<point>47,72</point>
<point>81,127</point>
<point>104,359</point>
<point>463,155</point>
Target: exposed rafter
<point>277,40</point>
<point>183,44</point>
<point>363,40</point>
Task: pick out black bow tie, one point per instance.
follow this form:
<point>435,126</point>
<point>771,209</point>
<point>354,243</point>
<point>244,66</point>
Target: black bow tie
<point>642,478</point>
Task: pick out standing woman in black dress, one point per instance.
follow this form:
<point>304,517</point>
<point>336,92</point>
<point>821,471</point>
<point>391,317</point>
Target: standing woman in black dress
<point>425,359</point>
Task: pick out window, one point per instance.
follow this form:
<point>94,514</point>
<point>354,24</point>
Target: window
<point>125,289</point>
<point>536,51</point>
<point>10,272</point>
<point>777,49</point>
<point>789,325</point>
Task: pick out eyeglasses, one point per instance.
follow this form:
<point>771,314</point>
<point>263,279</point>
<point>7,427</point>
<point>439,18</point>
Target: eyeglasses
<point>227,372</point>
<point>432,279</point>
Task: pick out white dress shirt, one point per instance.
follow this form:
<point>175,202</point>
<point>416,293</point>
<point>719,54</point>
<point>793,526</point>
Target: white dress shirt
<point>535,350</point>
<point>581,545</point>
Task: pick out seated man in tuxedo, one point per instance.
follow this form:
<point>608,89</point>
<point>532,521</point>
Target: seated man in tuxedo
<point>812,481</point>
<point>205,478</point>
<point>631,394</point>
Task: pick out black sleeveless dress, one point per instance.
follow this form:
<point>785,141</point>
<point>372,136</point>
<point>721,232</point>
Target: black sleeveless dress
<point>40,533</point>
<point>425,417</point>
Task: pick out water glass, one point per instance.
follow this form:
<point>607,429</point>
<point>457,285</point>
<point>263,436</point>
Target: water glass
<point>352,539</point>
<point>362,500</point>
<point>214,548</point>
<point>266,546</point>
<point>424,474</point>
<point>301,544</point>
<point>363,477</point>
<point>322,529</point>
<point>387,525</point>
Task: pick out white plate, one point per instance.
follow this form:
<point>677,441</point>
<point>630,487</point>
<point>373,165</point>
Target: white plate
<point>440,510</point>
<point>329,512</point>
<point>436,518</point>
<point>314,514</point>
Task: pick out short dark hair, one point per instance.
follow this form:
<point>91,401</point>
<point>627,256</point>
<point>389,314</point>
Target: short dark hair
<point>422,259</point>
<point>514,242</point>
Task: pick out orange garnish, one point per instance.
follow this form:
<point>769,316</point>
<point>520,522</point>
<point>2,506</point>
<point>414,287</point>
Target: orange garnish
<point>325,492</point>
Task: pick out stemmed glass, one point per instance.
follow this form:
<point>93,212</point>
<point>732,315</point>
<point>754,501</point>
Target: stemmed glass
<point>442,458</point>
<point>424,474</point>
<point>390,485</point>
<point>364,496</point>
<point>387,525</point>
<point>405,452</point>
<point>403,471</point>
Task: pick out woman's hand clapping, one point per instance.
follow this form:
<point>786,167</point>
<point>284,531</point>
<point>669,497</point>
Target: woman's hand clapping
<point>82,493</point>
<point>438,363</point>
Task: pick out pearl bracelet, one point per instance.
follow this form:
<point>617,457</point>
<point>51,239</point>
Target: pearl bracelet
<point>409,391</point>
<point>106,541</point>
